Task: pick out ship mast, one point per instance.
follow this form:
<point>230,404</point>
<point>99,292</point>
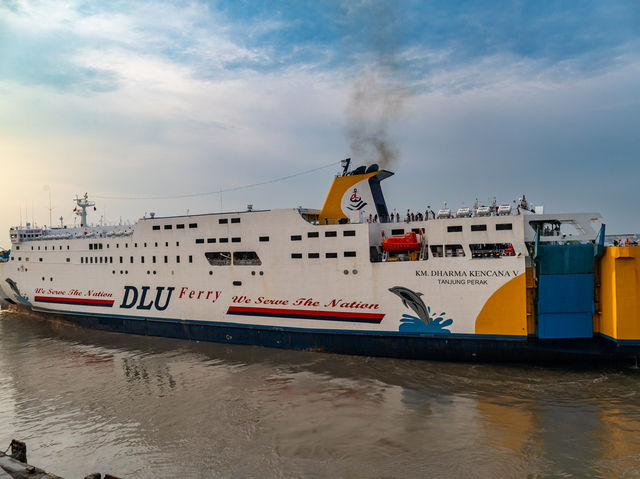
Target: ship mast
<point>83,202</point>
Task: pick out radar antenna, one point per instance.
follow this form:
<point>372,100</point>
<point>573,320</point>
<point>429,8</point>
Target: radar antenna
<point>83,202</point>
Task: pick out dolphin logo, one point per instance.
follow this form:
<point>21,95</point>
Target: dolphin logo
<point>412,300</point>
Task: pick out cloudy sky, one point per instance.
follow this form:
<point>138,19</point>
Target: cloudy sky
<point>462,99</point>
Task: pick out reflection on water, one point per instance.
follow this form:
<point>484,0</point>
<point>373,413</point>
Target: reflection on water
<point>145,407</point>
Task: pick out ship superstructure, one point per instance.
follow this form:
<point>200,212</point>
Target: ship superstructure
<point>491,282</point>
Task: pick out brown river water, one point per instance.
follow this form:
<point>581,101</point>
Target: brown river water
<point>143,407</point>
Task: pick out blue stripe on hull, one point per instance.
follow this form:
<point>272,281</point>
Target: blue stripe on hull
<point>407,346</point>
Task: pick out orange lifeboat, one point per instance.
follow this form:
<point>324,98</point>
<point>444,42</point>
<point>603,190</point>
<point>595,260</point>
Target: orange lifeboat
<point>407,242</point>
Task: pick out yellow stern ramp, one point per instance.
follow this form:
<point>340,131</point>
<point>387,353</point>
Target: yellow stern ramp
<point>618,315</point>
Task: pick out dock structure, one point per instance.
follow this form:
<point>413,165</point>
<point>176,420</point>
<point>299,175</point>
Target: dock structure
<point>15,466</point>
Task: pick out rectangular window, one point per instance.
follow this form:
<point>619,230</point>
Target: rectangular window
<point>190,259</point>
<point>331,255</point>
<point>349,254</point>
<point>142,259</point>
<point>223,221</point>
<point>131,259</point>
<point>219,258</point>
<point>349,233</point>
<point>153,259</point>
<point>166,259</point>
<point>296,237</point>
<point>296,255</point>
<point>168,227</point>
<point>235,220</point>
<point>314,255</point>
<point>193,225</point>
<point>454,229</point>
<point>436,251</point>
<point>246,258</point>
<point>177,243</point>
<point>156,227</point>
<point>224,240</point>
<point>478,227</point>
<point>177,259</point>
<point>263,238</point>
<point>120,259</point>
<point>491,250</point>
<point>179,227</point>
<point>100,259</point>
<point>503,226</point>
<point>399,231</point>
<point>199,240</point>
<point>81,260</point>
<point>453,251</point>
<point>68,260</point>
<point>211,240</point>
<point>90,246</point>
<point>100,245</point>
<point>110,259</point>
<point>313,234</point>
<point>235,240</point>
<point>330,234</point>
<point>156,244</point>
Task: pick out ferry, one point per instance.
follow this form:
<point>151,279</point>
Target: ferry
<point>490,283</point>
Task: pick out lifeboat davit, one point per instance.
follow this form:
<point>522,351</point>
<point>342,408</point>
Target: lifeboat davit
<point>406,242</point>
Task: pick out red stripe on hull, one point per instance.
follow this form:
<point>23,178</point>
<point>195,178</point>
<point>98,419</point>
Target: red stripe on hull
<point>86,301</point>
<point>287,312</point>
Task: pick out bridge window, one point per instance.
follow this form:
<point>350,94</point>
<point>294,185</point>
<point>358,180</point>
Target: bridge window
<point>235,220</point>
<point>223,221</point>
<point>168,227</point>
<point>349,254</point>
<point>330,234</point>
<point>349,233</point>
<point>179,227</point>
<point>478,227</point>
<point>211,240</point>
<point>454,229</point>
<point>193,225</point>
<point>331,255</point>
<point>219,258</point>
<point>296,237</point>
<point>313,234</point>
<point>503,226</point>
<point>156,227</point>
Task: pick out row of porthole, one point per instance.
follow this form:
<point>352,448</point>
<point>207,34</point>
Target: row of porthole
<point>50,279</point>
<point>354,271</point>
